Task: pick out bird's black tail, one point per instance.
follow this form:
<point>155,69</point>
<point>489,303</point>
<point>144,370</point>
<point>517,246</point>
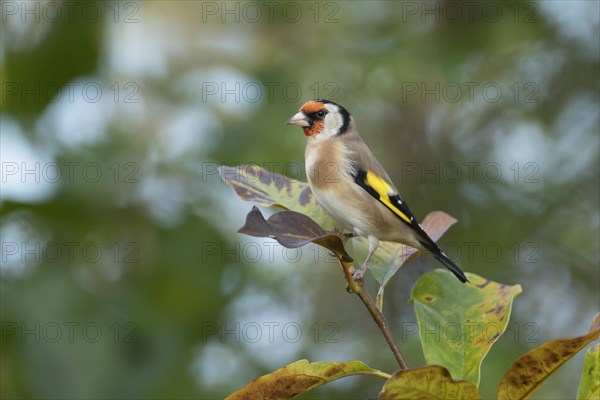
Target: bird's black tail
<point>443,258</point>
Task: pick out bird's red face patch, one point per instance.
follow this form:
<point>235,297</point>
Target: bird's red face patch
<point>315,129</point>
<point>311,108</point>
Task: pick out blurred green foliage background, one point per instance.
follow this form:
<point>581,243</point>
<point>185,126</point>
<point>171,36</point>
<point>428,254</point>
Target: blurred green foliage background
<point>122,275</point>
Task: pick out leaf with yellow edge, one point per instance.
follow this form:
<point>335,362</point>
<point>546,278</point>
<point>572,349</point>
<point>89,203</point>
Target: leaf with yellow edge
<point>258,185</point>
<point>459,323</point>
<point>530,370</point>
<point>300,377</point>
<point>432,382</point>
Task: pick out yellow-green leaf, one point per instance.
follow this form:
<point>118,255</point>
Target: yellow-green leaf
<point>300,377</point>
<point>530,370</point>
<point>431,382</point>
<point>589,386</point>
<point>258,185</point>
<point>459,323</point>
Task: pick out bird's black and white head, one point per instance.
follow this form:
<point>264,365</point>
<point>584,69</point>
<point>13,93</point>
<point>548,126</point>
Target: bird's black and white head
<point>321,119</point>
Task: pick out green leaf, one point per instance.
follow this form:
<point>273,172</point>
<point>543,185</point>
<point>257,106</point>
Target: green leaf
<point>431,382</point>
<point>530,370</point>
<point>459,323</point>
<point>292,229</point>
<point>255,184</point>
<point>300,377</point>
<point>589,386</point>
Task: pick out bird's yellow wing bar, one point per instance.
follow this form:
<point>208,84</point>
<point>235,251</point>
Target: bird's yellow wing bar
<point>377,187</point>
<point>385,192</point>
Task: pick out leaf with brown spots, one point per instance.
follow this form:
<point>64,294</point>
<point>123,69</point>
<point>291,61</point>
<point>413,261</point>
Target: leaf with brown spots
<point>300,377</point>
<point>530,370</point>
<point>459,323</point>
<point>258,185</point>
<point>431,382</point>
<point>292,229</point>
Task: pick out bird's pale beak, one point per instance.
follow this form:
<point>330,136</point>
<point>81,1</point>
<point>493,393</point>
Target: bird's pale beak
<point>298,119</point>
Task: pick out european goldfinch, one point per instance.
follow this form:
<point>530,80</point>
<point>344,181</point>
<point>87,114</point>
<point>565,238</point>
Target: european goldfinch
<point>349,182</point>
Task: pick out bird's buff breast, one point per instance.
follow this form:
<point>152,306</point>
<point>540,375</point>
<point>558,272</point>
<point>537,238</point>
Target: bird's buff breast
<point>325,168</point>
<point>334,188</point>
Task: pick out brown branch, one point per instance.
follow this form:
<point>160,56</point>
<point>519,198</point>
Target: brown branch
<point>358,287</point>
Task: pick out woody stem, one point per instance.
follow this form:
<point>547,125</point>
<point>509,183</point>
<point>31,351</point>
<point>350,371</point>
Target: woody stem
<point>357,286</point>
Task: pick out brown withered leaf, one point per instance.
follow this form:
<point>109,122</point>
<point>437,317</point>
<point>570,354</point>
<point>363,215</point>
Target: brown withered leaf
<point>292,229</point>
<point>530,370</point>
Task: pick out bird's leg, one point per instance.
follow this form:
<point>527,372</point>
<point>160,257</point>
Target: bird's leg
<point>373,244</point>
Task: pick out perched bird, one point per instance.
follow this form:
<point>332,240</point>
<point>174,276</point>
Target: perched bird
<point>349,182</point>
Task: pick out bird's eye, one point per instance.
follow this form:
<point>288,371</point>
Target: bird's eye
<point>320,114</point>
